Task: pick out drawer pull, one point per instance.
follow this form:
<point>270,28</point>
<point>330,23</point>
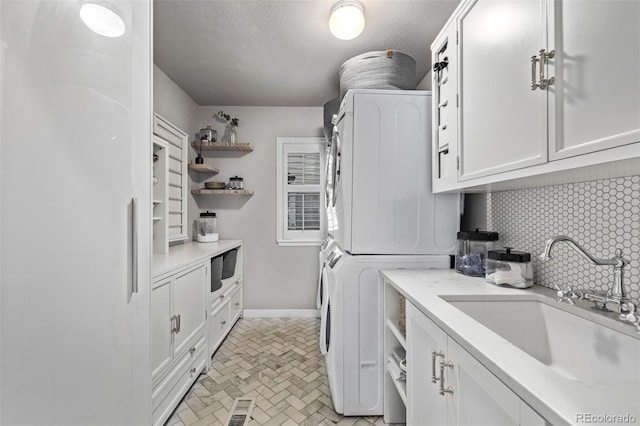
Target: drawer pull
<point>192,371</point>
<point>223,322</point>
<point>443,390</point>
<point>175,324</point>
<point>435,354</point>
<point>237,304</point>
<point>221,296</point>
<point>192,350</point>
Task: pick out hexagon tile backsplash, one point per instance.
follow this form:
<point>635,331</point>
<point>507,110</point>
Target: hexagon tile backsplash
<point>600,215</point>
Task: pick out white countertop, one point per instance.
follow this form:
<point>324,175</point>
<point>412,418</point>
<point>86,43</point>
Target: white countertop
<point>558,401</point>
<point>184,254</point>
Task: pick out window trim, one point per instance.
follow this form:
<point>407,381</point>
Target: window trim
<point>304,143</point>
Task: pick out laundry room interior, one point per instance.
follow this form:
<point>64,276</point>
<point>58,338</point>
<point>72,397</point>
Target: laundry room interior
<point>319,212</point>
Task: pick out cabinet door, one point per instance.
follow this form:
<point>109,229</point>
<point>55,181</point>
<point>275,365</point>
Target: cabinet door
<point>596,100</point>
<point>74,338</point>
<point>480,398</point>
<point>424,404</point>
<point>189,304</point>
<point>445,109</point>
<point>160,326</point>
<point>177,142</point>
<point>503,123</point>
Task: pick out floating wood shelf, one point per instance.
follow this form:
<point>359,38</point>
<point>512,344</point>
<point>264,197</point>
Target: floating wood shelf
<point>203,168</point>
<point>222,146</point>
<point>221,192</point>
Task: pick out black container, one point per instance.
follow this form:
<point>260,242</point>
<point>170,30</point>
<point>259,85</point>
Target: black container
<point>229,263</point>
<point>216,273</point>
<point>471,251</point>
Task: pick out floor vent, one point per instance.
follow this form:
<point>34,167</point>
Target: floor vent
<point>241,412</point>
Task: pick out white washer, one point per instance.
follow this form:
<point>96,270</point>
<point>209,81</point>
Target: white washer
<point>352,328</point>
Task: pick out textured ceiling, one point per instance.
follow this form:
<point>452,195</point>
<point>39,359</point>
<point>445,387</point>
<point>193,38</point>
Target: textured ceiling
<point>280,52</point>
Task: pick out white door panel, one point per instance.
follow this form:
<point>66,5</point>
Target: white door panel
<point>75,151</point>
<point>497,40</point>
<point>596,100</point>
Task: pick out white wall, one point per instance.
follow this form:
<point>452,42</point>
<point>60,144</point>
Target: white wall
<point>425,83</point>
<point>173,104</point>
<point>275,277</point>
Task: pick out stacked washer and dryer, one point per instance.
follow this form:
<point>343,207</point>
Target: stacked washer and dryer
<point>381,214</point>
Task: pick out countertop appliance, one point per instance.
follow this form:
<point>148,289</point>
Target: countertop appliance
<point>379,177</point>
<point>382,214</point>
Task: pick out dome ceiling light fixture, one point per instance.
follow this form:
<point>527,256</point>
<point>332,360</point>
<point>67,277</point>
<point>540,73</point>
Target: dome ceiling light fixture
<point>346,20</point>
<point>102,20</point>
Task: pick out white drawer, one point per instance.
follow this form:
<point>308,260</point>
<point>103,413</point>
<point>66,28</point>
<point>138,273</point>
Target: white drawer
<point>171,389</point>
<point>219,325</point>
<point>236,305</point>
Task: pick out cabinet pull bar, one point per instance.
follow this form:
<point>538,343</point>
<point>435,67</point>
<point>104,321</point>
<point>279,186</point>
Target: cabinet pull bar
<point>443,391</point>
<point>434,354</point>
<point>177,323</point>
<point>174,324</point>
<point>134,245</point>
<point>534,61</point>
<point>545,82</point>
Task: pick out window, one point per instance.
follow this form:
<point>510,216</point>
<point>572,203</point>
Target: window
<point>300,191</point>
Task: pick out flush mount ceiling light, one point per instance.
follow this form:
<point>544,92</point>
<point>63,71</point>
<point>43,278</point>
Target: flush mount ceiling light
<point>102,20</point>
<point>346,20</point>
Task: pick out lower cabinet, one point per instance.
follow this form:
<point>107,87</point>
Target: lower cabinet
<point>178,337</point>
<point>225,309</point>
<point>448,386</point>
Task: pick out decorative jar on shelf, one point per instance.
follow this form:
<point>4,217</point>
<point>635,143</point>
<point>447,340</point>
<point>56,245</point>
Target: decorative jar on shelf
<point>230,134</point>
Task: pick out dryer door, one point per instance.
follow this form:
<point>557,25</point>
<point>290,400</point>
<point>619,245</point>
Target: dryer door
<point>325,324</point>
<point>333,169</point>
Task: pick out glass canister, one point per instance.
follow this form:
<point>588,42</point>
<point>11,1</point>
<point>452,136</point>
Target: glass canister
<point>471,251</point>
<point>509,267</point>
<point>207,227</point>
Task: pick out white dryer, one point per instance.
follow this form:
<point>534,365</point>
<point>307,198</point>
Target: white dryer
<point>352,327</point>
<point>379,177</point>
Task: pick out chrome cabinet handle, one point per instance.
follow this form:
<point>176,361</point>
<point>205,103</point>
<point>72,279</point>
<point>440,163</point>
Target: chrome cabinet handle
<point>178,323</point>
<point>443,391</point>
<point>192,350</point>
<point>435,354</point>
<point>134,245</point>
<point>192,371</point>
<point>174,324</point>
<point>534,61</point>
<point>221,296</point>
<point>237,304</point>
<point>543,82</point>
<point>223,322</point>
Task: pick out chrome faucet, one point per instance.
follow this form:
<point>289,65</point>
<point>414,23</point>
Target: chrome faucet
<point>615,299</point>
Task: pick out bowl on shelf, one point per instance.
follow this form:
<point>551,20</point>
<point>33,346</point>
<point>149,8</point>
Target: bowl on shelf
<point>214,185</point>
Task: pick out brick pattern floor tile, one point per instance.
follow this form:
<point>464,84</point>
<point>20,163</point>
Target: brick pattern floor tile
<point>278,362</point>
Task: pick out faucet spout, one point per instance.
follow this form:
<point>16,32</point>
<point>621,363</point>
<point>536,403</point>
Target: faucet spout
<point>617,293</point>
<point>546,254</point>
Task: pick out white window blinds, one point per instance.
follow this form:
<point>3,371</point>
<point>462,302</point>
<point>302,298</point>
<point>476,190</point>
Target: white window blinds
<point>300,191</point>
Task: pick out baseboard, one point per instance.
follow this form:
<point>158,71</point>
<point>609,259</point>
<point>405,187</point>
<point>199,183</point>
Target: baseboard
<point>281,313</point>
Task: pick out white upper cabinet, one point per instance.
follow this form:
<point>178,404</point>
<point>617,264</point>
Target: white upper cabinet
<point>595,100</point>
<point>502,121</point>
<point>176,142</point>
<point>445,108</point>
<point>547,92</point>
